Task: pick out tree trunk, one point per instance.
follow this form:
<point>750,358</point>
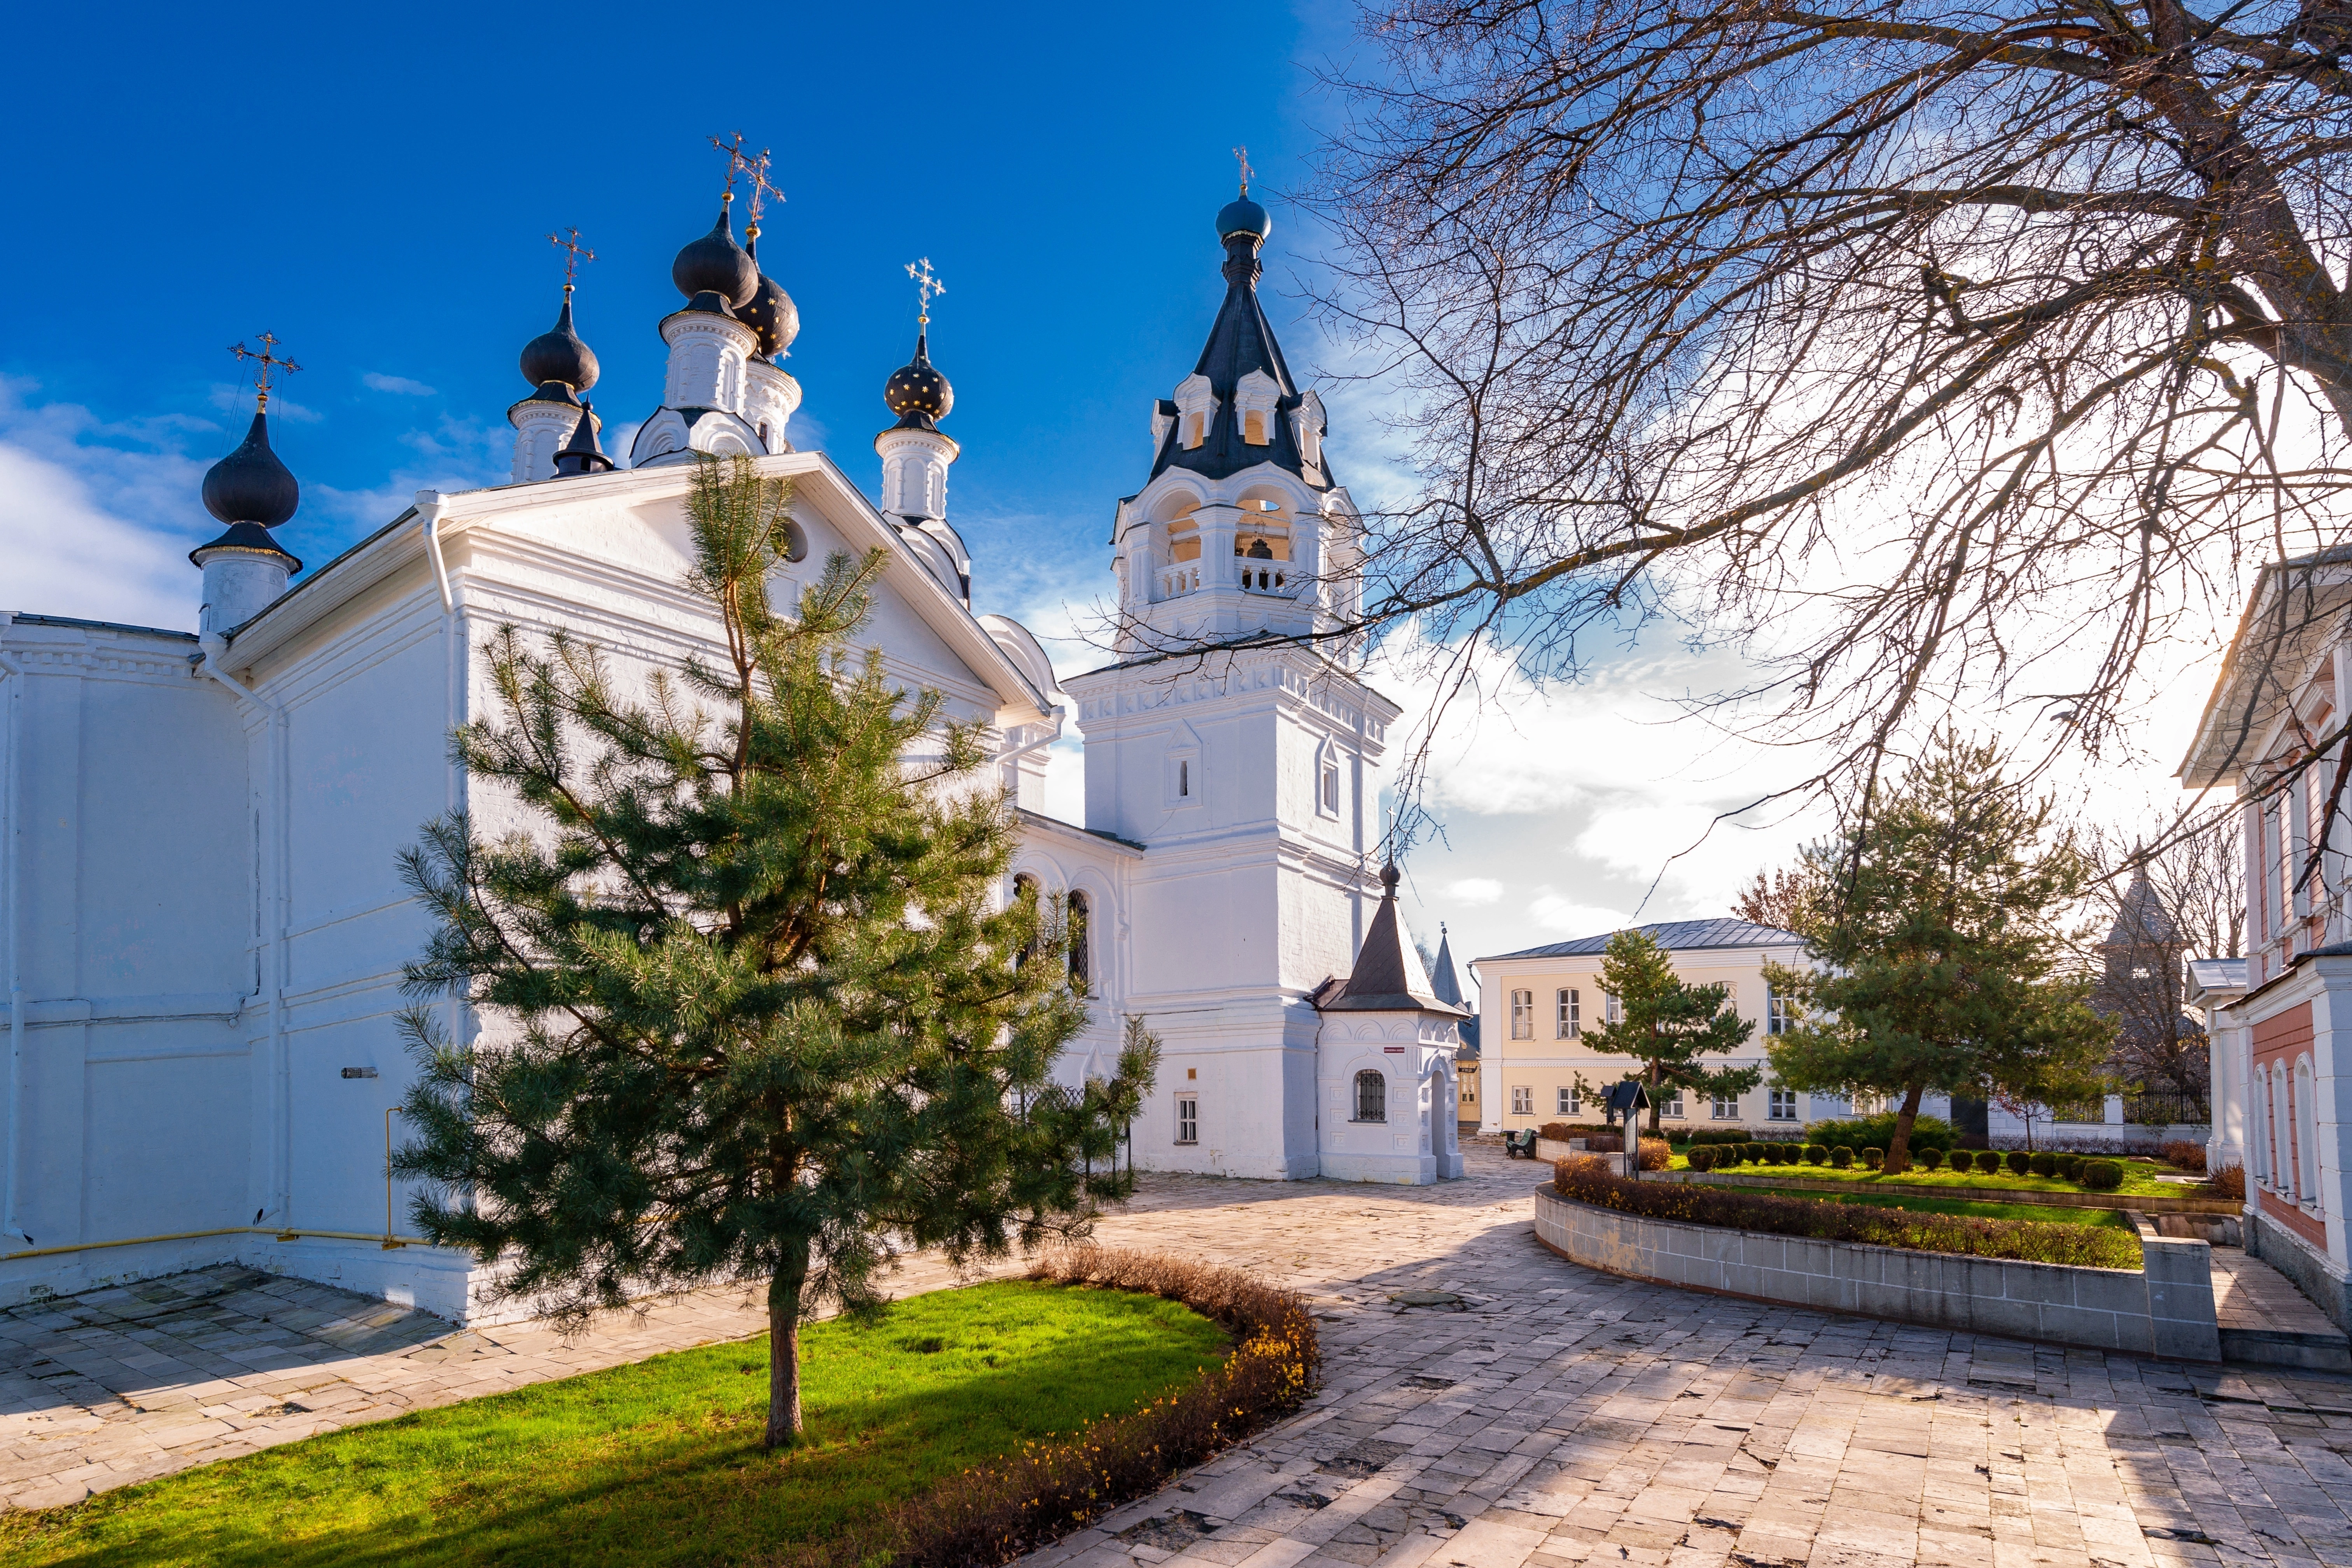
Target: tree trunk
<point>1898,1148</point>
<point>784,1348</point>
<point>1653,1107</point>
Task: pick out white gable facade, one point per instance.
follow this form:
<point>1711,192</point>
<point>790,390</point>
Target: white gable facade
<point>198,837</point>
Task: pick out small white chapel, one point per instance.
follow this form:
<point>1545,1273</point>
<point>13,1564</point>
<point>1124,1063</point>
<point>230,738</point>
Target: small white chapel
<point>204,923</point>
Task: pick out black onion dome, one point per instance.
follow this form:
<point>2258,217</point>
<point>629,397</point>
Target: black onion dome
<point>770,312</point>
<point>916,392</point>
<point>558,355</point>
<point>250,485</point>
<point>715,264</point>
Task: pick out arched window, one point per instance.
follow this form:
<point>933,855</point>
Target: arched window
<point>1195,430</point>
<point>1081,969</point>
<point>1025,886</point>
<point>1371,1096</point>
<point>1327,778</point>
<point>2258,1131</point>
<point>1254,430</point>
<point>2306,1137</point>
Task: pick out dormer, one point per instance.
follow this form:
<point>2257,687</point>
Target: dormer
<point>1163,419</point>
<point>1196,411</point>
<point>1257,396</point>
<point>1306,426</point>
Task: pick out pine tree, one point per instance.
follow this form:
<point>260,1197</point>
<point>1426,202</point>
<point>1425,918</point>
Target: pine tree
<point>1669,1026</point>
<point>751,1009</point>
<point>1941,960</point>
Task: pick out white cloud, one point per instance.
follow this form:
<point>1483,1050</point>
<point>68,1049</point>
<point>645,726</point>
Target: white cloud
<point>68,554</point>
<point>1474,890</point>
<point>399,383</point>
<point>1566,917</point>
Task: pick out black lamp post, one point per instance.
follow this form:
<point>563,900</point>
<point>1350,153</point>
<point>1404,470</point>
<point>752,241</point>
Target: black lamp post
<point>1629,1100</point>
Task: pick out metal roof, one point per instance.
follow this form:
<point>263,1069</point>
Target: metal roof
<point>1674,936</point>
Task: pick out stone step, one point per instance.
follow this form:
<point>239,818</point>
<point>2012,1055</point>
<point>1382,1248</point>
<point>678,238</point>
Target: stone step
<point>2267,1322</point>
<point>2308,1351</point>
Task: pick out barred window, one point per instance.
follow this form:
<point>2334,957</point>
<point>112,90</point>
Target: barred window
<point>1371,1096</point>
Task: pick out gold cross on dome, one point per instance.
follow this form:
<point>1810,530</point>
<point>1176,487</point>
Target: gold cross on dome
<point>756,170</point>
<point>1241,156</point>
<point>926,285</point>
<point>265,362</point>
<point>736,162</point>
<point>577,253</point>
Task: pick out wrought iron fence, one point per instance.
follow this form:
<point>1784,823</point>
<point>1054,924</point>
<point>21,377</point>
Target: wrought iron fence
<point>2167,1109</point>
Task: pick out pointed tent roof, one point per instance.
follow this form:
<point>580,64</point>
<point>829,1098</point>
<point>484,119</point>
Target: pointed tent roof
<point>1240,342</point>
<point>2142,921</point>
<point>1388,976</point>
<point>1444,984</point>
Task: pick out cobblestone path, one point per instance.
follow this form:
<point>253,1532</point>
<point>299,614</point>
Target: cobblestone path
<point>1547,1415</point>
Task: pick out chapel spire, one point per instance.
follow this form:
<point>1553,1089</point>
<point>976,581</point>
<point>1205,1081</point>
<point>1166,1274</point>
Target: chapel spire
<point>560,367</point>
<point>1240,408</point>
<point>915,453</point>
<point>252,491</point>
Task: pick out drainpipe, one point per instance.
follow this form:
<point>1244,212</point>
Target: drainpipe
<point>428,511</point>
<point>273,815</point>
<point>12,857</point>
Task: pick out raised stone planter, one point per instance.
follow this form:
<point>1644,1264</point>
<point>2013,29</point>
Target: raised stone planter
<point>2167,1310</point>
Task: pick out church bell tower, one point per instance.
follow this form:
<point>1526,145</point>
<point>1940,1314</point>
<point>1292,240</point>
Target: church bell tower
<point>1233,738</point>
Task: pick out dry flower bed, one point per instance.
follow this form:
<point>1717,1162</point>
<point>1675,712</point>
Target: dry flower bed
<point>994,1513</point>
<point>1586,1182</point>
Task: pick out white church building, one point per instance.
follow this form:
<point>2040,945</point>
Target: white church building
<point>204,924</point>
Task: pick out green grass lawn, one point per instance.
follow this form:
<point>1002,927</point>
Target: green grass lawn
<point>2137,1178</point>
<point>659,1462</point>
<point>2039,1214</point>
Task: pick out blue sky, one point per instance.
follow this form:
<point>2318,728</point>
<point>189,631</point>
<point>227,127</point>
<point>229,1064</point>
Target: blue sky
<point>376,186</point>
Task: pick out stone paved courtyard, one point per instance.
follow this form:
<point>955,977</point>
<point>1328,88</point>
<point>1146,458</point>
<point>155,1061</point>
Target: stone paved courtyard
<point>1547,1415</point>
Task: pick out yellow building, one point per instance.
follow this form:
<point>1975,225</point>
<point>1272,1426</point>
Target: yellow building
<point>1535,1005</point>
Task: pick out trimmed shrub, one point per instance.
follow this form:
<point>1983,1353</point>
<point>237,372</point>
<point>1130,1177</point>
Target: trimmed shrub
<point>2082,1246</point>
<point>2042,1165</point>
<point>1930,1159</point>
<point>1656,1154</point>
<point>2070,1166</point>
<point>1557,1132</point>
<point>1702,1157</point>
<point>1875,1158</point>
<point>2102,1176</point>
<point>1988,1163</point>
<point>993,1513</point>
<point>2229,1182</point>
<point>1878,1131</point>
<point>2184,1155</point>
<point>1816,1153</point>
<point>1603,1144</point>
<point>1841,1157</point>
<point>2018,1161</point>
<point>1778,1153</point>
<point>1718,1136</point>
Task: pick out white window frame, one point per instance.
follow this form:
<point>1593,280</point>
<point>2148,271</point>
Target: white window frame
<point>1612,1010</point>
<point>1723,1109</point>
<point>1781,1105</point>
<point>1567,1102</point>
<point>1778,1014</point>
<point>1671,1107</point>
<point>1329,786</point>
<point>1569,1022</point>
<point>1523,1015</point>
<point>1187,1119</point>
<point>1365,1079</point>
<point>1523,1099</point>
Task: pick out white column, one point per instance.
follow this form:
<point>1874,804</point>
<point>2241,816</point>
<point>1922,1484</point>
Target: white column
<point>708,357</point>
<point>541,430</point>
